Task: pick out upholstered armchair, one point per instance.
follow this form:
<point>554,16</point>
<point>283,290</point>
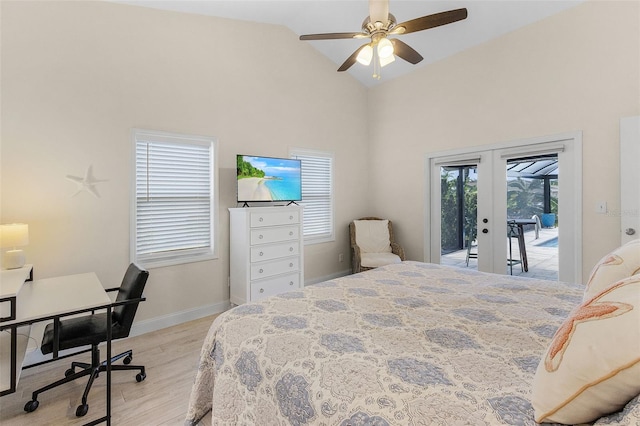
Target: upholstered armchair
<point>372,244</point>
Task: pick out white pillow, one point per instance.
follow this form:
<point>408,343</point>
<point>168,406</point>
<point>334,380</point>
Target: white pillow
<point>617,265</point>
<point>372,236</point>
<point>592,366</point>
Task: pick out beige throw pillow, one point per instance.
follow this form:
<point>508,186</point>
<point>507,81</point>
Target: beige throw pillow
<point>617,265</point>
<point>372,236</point>
<point>592,366</point>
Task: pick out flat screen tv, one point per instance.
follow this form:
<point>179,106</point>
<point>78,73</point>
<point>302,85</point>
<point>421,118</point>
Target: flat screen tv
<point>268,179</point>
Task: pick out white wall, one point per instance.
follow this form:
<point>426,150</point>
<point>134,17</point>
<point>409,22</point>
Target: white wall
<point>77,76</point>
<point>575,71</point>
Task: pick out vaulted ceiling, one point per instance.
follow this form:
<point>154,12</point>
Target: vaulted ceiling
<point>486,20</point>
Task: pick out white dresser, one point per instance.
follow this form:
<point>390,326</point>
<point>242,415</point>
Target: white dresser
<point>266,252</point>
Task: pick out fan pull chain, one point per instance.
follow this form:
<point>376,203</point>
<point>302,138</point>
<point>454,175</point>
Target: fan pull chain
<point>377,69</point>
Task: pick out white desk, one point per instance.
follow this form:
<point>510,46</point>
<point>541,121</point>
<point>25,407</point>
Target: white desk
<point>11,281</point>
<point>5,356</point>
<point>58,296</point>
<point>42,300</point>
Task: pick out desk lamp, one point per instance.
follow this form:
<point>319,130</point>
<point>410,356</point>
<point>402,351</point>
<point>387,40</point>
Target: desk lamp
<point>13,235</point>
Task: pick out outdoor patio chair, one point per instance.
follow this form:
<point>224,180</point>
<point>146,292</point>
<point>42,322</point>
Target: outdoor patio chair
<point>513,231</point>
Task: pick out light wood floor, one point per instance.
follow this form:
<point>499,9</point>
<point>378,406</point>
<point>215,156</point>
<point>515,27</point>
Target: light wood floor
<point>170,357</point>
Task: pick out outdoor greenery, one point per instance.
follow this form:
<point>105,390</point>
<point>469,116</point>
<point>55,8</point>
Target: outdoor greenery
<point>449,211</point>
<point>245,169</point>
<point>450,205</point>
<point>525,198</point>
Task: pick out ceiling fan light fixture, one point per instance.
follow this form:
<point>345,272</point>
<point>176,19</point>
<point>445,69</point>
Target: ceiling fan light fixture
<point>365,55</point>
<point>386,61</point>
<point>385,48</point>
<point>379,25</point>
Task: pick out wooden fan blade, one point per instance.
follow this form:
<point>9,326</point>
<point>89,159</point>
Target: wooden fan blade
<point>351,59</point>
<point>405,51</point>
<point>379,10</point>
<point>429,21</point>
<point>332,36</point>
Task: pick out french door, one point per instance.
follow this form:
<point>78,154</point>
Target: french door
<point>477,188</point>
<point>477,212</point>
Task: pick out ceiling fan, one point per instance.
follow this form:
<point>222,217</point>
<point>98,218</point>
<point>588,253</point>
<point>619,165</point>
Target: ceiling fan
<point>379,26</point>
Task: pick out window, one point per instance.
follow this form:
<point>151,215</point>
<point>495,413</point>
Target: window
<point>174,198</point>
<point>317,195</point>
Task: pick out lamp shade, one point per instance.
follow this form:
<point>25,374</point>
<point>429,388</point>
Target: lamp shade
<point>385,48</point>
<point>386,61</point>
<point>14,235</point>
<point>365,55</point>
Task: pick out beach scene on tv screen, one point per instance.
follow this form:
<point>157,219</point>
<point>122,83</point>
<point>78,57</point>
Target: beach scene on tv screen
<point>268,179</point>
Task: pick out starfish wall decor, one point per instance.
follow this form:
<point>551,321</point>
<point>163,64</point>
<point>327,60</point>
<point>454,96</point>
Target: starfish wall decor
<point>87,183</point>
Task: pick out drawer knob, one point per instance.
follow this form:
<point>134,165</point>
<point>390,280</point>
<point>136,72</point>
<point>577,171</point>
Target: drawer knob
<point>290,232</point>
<point>262,290</point>
<point>260,236</point>
<point>261,270</point>
<point>261,253</point>
<point>290,282</point>
<point>261,219</point>
<point>291,217</point>
<point>291,265</point>
<point>290,248</point>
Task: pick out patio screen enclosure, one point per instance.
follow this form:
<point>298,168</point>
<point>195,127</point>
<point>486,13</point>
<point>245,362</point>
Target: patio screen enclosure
<point>532,189</point>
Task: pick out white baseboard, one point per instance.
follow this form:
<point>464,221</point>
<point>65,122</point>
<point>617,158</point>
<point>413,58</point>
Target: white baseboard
<point>158,323</point>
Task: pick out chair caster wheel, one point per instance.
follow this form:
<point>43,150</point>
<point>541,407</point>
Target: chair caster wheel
<point>140,377</point>
<point>127,360</point>
<point>69,372</point>
<point>31,406</point>
<point>82,410</point>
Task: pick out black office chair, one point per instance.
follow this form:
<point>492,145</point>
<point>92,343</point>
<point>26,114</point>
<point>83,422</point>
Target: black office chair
<point>92,330</point>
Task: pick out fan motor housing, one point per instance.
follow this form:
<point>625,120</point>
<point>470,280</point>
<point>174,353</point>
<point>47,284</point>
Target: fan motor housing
<point>372,28</point>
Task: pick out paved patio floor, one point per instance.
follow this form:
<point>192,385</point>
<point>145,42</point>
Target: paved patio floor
<point>542,256</point>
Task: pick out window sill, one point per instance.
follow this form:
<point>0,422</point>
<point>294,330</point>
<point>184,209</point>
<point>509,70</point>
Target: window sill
<point>161,263</point>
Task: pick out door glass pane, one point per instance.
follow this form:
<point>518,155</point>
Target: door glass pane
<point>532,216</point>
<point>459,213</point>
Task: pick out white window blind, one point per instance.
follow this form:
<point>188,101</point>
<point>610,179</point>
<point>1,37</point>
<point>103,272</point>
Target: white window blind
<point>317,195</point>
<point>174,199</point>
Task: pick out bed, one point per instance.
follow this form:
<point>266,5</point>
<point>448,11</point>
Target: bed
<point>406,344</point>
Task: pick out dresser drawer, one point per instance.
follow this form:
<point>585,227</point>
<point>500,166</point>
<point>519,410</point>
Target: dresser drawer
<point>266,251</point>
<point>276,267</point>
<point>262,253</point>
<point>264,288</point>
<point>274,218</point>
<point>274,235</point>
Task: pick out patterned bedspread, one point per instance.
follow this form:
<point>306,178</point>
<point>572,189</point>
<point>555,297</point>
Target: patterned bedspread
<point>408,344</point>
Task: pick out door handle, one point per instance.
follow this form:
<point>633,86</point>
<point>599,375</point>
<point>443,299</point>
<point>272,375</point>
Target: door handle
<point>630,231</point>
<point>485,231</point>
